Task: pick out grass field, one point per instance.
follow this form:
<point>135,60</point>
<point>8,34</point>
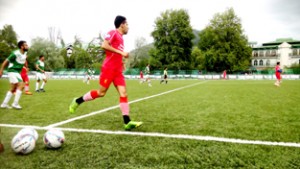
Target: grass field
<point>246,110</point>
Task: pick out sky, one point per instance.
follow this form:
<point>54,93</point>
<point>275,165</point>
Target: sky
<point>262,20</point>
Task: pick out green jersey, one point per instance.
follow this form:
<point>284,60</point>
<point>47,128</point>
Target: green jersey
<point>147,70</point>
<point>41,65</point>
<point>90,72</point>
<point>165,72</point>
<point>16,61</point>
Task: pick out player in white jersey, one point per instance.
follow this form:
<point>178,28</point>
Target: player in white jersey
<point>40,74</point>
<point>15,62</point>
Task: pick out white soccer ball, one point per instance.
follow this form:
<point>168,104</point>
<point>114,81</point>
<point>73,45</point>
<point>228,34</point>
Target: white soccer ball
<point>23,143</point>
<point>31,131</point>
<point>54,138</point>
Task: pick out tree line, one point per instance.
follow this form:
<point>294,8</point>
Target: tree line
<point>221,45</point>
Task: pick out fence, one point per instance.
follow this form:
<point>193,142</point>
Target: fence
<point>172,74</point>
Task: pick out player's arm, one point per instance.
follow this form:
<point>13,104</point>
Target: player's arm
<point>106,45</point>
<point>4,64</point>
<point>26,66</point>
<point>10,58</point>
<point>38,68</point>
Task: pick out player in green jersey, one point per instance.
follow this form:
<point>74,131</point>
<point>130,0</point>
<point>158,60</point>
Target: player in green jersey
<point>88,75</point>
<point>165,78</point>
<point>40,74</point>
<point>15,62</point>
<point>147,75</point>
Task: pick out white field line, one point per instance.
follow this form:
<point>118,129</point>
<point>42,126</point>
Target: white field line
<point>117,106</point>
<point>175,136</point>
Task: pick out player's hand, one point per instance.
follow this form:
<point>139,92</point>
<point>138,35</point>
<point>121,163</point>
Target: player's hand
<point>1,74</point>
<point>125,54</point>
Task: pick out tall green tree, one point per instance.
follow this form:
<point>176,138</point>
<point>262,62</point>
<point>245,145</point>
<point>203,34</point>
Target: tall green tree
<point>198,59</point>
<point>173,37</point>
<point>41,46</point>
<point>224,44</point>
<point>82,58</point>
<point>139,57</point>
<point>8,41</point>
<point>95,51</point>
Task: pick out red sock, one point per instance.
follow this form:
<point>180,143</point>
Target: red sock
<point>91,95</point>
<point>124,106</point>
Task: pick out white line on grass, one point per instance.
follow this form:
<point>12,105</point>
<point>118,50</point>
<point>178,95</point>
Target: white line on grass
<point>176,136</point>
<point>117,106</point>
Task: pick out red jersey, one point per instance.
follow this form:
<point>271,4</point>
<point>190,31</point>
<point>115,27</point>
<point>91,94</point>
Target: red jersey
<point>141,75</point>
<point>276,70</point>
<point>23,71</point>
<point>224,74</point>
<point>114,60</point>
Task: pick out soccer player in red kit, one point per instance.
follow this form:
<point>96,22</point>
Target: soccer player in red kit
<point>278,71</point>
<point>112,72</point>
<point>25,78</point>
<point>224,74</point>
<point>141,76</point>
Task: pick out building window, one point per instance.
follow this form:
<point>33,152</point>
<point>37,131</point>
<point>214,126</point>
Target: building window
<point>273,53</point>
<point>268,53</point>
<point>261,53</point>
<point>268,62</point>
<point>261,63</point>
<point>295,52</point>
<point>255,54</point>
<point>255,62</point>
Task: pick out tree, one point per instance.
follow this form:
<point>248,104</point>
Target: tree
<point>173,37</point>
<point>53,59</point>
<point>140,54</point>
<point>198,58</point>
<point>224,45</point>
<point>8,41</point>
<point>95,51</point>
<point>82,58</point>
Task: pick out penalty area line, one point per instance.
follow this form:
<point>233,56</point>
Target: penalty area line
<point>163,135</point>
<point>117,106</point>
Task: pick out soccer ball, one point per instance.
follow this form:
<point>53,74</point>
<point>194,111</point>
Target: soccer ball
<point>23,143</point>
<point>31,131</point>
<point>54,138</point>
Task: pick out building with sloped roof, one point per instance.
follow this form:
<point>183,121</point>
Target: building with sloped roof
<point>286,51</point>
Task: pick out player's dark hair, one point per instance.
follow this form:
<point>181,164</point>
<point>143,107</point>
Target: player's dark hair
<point>278,63</point>
<point>41,56</point>
<point>119,20</point>
<point>20,43</point>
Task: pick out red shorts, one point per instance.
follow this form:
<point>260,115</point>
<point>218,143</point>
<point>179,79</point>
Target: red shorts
<point>278,76</point>
<point>108,76</point>
<point>24,77</point>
